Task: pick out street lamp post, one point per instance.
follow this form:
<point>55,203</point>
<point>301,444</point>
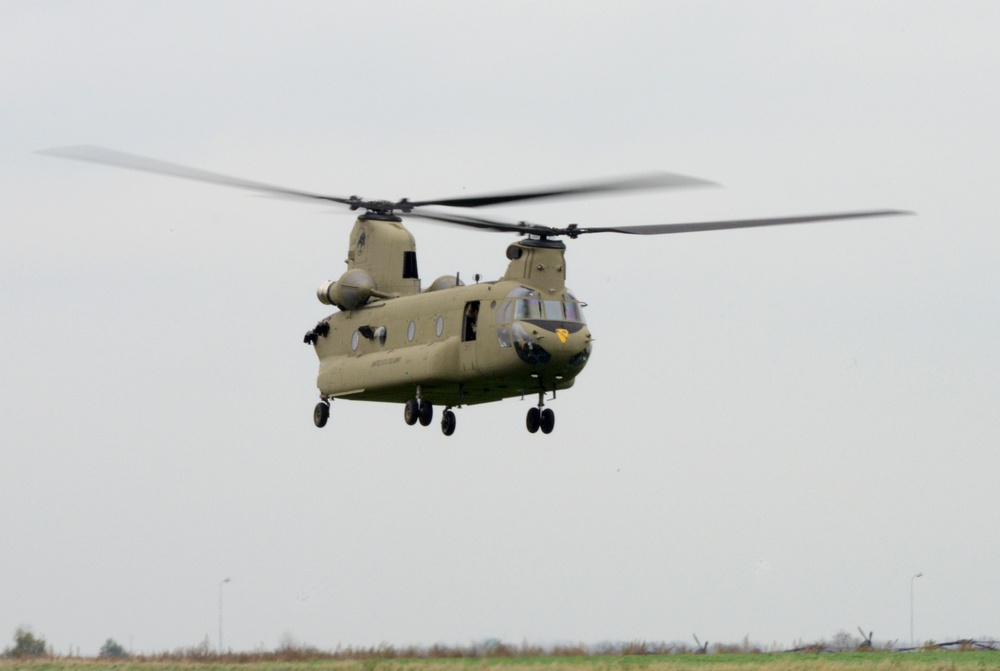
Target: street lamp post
<point>220,613</point>
<point>913,578</point>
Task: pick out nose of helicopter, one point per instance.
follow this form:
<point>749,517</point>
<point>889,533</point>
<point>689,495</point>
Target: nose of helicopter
<point>561,348</point>
<point>564,344</point>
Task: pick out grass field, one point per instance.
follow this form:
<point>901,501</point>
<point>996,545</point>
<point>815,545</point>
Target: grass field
<point>856,661</point>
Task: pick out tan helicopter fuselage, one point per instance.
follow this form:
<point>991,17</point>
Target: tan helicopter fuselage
<point>450,344</point>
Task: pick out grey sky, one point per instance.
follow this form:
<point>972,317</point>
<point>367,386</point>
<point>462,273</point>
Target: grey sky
<point>777,429</point>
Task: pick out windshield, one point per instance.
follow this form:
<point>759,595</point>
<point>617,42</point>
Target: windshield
<point>527,308</point>
<point>574,312</point>
<point>574,308</point>
<point>525,303</point>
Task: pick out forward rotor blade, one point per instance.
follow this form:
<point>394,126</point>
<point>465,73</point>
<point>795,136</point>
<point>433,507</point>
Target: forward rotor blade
<point>134,162</point>
<point>663,229</point>
<point>652,181</point>
<point>484,224</point>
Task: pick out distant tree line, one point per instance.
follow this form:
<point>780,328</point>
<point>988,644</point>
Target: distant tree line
<point>28,645</point>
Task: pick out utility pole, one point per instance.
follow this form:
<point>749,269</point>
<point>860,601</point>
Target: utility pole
<point>913,641</point>
<point>220,613</point>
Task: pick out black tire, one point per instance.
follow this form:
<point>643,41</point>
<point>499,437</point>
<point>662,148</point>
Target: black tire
<point>448,422</point>
<point>533,420</point>
<point>321,414</point>
<point>411,411</point>
<point>548,420</point>
<point>426,413</point>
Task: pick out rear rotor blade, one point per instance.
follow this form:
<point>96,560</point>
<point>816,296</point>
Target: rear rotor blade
<point>134,162</point>
<point>663,229</point>
<point>573,231</point>
<point>651,181</point>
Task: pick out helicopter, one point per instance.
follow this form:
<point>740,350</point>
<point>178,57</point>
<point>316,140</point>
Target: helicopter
<point>450,344</point>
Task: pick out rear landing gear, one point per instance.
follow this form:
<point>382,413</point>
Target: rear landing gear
<point>425,413</point>
<point>448,422</point>
<point>411,411</point>
<point>418,410</point>
<point>321,414</point>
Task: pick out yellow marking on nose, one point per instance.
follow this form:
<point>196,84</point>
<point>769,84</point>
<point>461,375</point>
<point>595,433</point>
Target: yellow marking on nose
<point>563,334</point>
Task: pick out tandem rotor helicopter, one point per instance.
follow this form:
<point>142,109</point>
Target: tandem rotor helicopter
<point>452,344</point>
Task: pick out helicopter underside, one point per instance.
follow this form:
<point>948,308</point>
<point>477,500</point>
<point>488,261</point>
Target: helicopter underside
<point>456,394</point>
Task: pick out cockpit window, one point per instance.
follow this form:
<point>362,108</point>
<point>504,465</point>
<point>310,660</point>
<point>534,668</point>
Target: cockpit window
<point>521,292</point>
<point>504,312</point>
<point>525,303</point>
<point>528,308</point>
<point>573,312</point>
<point>574,309</point>
<point>553,310</point>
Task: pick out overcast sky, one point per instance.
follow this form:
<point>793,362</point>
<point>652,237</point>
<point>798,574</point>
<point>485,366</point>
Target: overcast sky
<point>778,427</point>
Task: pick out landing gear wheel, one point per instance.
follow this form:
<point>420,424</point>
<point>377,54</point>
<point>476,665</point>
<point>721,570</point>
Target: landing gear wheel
<point>448,422</point>
<point>426,413</point>
<point>548,420</point>
<point>411,411</point>
<point>534,420</point>
<point>321,414</point>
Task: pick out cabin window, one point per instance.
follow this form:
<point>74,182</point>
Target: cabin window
<point>439,326</point>
<point>411,331</point>
<point>410,265</point>
<point>355,339</point>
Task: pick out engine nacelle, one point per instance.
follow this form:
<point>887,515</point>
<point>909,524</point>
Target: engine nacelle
<point>351,291</point>
<point>445,282</point>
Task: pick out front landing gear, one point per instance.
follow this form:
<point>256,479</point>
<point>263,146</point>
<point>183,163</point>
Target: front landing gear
<point>321,414</point>
<point>548,420</point>
<point>534,420</point>
<point>540,417</point>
